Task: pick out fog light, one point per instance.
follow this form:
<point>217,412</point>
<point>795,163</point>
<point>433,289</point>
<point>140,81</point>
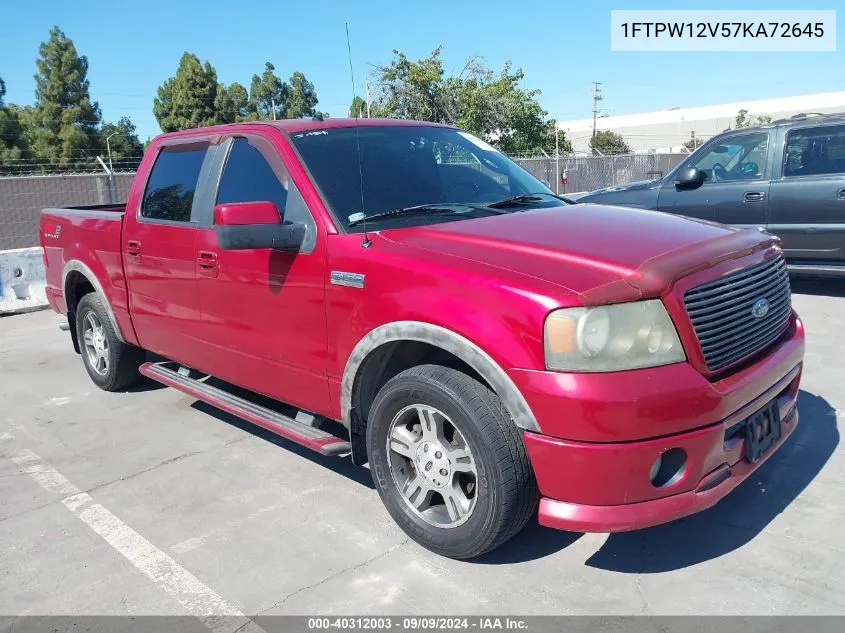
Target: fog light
<point>668,468</point>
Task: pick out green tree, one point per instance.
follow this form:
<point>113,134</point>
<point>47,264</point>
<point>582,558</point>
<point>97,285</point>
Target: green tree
<point>743,120</point>
<point>609,143</point>
<point>417,89</point>
<point>563,144</point>
<point>13,145</point>
<point>232,104</point>
<point>65,119</point>
<point>122,140</point>
<point>693,144</point>
<point>490,105</point>
<point>187,100</point>
<point>301,98</point>
<point>268,94</point>
<point>358,109</point>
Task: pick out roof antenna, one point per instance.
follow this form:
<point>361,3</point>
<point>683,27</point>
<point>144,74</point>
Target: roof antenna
<point>367,242</point>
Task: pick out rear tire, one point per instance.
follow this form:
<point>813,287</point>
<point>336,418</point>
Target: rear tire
<point>448,462</point>
<point>111,364</point>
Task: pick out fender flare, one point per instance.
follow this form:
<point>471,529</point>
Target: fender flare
<point>78,266</point>
<point>453,343</point>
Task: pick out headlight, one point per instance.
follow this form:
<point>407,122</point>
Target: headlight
<point>611,338</point>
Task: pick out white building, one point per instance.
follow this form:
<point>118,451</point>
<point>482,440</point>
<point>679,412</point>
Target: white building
<point>667,130</point>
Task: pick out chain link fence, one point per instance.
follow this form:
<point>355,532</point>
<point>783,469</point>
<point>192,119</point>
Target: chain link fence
<point>588,173</point>
<point>23,197</point>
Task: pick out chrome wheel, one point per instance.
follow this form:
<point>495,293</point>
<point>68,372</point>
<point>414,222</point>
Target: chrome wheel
<point>432,466</point>
<point>96,344</point>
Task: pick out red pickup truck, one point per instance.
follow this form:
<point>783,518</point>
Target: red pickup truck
<point>403,293</point>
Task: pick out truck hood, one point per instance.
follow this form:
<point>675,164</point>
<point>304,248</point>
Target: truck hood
<point>603,254</point>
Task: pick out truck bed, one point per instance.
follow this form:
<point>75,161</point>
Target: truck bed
<point>76,238</point>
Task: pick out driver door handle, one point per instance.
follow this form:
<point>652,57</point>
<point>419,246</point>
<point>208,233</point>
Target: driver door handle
<point>754,196</point>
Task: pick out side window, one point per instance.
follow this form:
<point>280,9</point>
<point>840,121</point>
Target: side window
<point>254,172</point>
<point>815,151</point>
<point>741,157</point>
<point>173,180</point>
<point>248,177</point>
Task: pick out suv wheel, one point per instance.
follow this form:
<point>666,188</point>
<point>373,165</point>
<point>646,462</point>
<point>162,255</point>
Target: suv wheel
<point>448,462</point>
<point>111,363</point>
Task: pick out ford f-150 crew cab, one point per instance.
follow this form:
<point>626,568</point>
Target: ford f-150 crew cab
<point>403,293</point>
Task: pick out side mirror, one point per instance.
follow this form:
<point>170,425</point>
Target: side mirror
<point>689,178</point>
<point>249,225</point>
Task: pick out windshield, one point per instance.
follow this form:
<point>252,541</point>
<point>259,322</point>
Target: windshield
<point>410,166</point>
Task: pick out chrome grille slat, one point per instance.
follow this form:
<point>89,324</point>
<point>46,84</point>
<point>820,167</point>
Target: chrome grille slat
<point>708,330</point>
<point>741,332</point>
<point>720,312</point>
<point>697,293</point>
<point>736,344</point>
<point>718,327</point>
<point>735,297</point>
<point>709,322</point>
<point>765,337</point>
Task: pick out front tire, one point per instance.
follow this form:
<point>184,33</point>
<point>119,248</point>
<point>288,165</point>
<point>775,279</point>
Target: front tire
<point>110,363</point>
<point>448,462</point>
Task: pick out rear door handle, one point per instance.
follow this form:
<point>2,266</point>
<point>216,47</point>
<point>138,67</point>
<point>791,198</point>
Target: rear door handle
<point>207,262</point>
<point>754,196</point>
<point>841,194</point>
<point>133,247</point>
<point>207,259</point>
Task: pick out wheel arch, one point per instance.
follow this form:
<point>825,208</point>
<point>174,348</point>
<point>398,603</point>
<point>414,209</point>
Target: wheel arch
<point>450,342</point>
<point>75,276</point>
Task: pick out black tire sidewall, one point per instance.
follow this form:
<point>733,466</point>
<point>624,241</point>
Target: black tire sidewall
<point>458,541</point>
<point>91,303</point>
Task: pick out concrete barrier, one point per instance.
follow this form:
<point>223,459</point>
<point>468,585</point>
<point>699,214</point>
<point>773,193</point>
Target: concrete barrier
<point>22,280</point>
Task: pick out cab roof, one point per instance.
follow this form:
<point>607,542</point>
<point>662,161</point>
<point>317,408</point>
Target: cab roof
<point>300,125</point>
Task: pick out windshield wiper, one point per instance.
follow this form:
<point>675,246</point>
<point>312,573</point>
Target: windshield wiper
<point>423,208</point>
<point>525,198</point>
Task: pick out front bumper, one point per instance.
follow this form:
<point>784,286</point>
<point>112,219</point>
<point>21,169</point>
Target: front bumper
<point>605,486</point>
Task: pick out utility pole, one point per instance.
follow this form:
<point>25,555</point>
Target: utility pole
<point>273,107</point>
<point>692,138</point>
<point>596,98</point>
<point>557,159</point>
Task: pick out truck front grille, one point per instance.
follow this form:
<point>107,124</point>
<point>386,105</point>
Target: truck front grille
<point>726,313</point>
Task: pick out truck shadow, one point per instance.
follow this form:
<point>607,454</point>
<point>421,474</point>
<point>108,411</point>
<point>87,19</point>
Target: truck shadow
<point>741,515</point>
<point>340,465</point>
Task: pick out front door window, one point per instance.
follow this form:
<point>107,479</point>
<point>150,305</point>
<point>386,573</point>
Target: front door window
<point>741,157</point>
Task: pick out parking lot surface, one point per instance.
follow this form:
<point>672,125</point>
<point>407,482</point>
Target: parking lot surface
<point>148,502</point>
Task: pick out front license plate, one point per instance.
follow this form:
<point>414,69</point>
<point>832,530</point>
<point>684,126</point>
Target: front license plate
<point>761,431</point>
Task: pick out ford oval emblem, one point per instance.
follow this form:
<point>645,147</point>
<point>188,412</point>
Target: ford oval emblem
<point>760,308</point>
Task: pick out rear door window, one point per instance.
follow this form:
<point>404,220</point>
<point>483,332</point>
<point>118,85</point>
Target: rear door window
<point>169,195</point>
<point>815,151</point>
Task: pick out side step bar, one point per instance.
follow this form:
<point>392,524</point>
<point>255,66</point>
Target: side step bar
<point>304,434</point>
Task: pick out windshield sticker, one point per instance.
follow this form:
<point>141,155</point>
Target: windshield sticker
<point>311,133</point>
<point>478,142</point>
<point>357,217</point>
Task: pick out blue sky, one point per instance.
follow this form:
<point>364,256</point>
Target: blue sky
<point>561,45</point>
